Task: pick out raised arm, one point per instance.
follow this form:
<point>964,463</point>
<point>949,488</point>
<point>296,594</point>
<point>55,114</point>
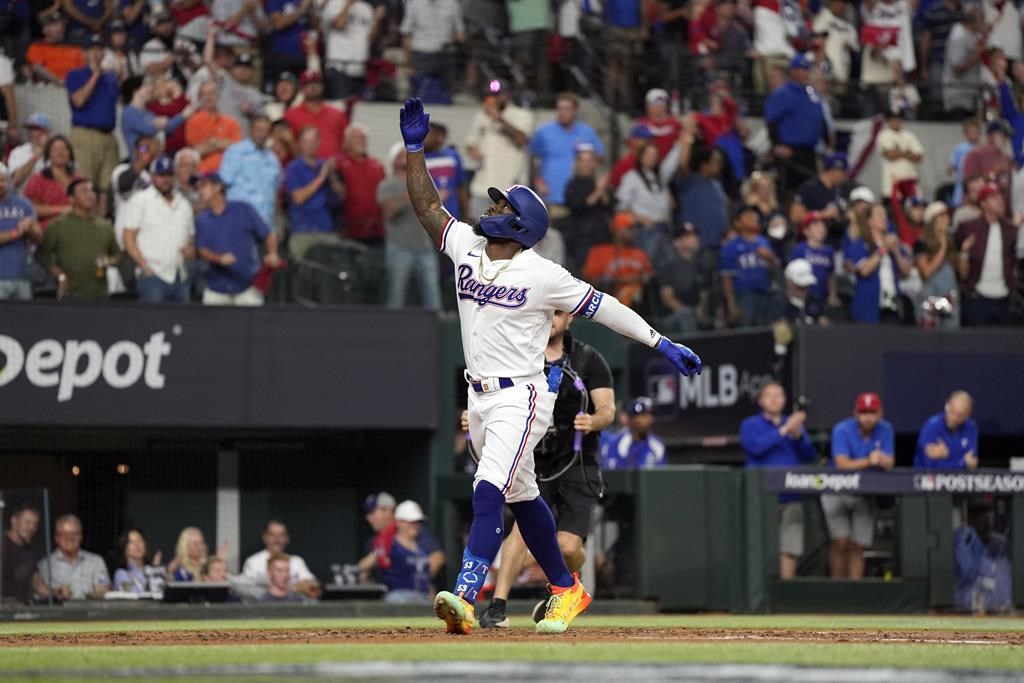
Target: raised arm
<point>414,124</point>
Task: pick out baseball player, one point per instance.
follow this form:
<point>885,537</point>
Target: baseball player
<point>568,474</point>
<point>507,297</point>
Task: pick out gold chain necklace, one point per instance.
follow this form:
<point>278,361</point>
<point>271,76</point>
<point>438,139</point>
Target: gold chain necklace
<point>501,270</point>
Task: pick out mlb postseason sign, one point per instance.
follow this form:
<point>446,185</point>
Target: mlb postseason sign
<point>132,364</point>
<point>897,481</point>
<point>736,366</point>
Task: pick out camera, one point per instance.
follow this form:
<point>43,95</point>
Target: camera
<point>801,403</point>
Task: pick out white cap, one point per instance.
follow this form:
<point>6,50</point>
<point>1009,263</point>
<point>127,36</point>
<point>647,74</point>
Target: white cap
<point>933,210</point>
<point>862,194</point>
<point>800,273</point>
<point>409,511</point>
<point>655,94</point>
<point>395,150</point>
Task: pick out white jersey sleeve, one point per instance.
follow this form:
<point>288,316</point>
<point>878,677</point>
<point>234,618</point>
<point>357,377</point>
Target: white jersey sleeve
<point>563,292</point>
<point>456,238</point>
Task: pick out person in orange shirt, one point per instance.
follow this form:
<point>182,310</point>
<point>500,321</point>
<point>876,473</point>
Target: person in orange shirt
<point>209,131</point>
<point>50,59</point>
<point>619,267</point>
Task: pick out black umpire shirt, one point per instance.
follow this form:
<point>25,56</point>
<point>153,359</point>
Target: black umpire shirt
<point>555,449</point>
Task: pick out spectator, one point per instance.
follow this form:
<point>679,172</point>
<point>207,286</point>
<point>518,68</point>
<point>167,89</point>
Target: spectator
<point>759,190</point>
<point>350,26</point>
<point>285,95</point>
<point>969,210</point>
<point>19,556</point>
<point>862,442</point>
<point>251,172</point>
<point>312,111</point>
<point>169,101</point>
<point>50,60</point>
<point>735,47</point>
<point>242,23</point>
<point>27,158</point>
<point>1003,28</point>
<point>771,43</point>
<point>186,172</point>
<point>961,73</point>
<point>279,587</point>
<point>935,259</point>
<point>620,268</point>
<point>379,509</point>
<point>770,439</point>
<point>553,148</point>
<point>682,282</point>
<point>901,152</point>
<point>131,177</point>
<point>820,256</point>
<point>746,266</point>
<point>70,573</point>
<point>164,54</point>
<point>361,174</point>
<point>796,124</point>
<point>938,21</point>
<point>990,161</point>
<point>228,236</point>
<point>983,580</point>
<point>889,48</point>
<point>862,199</point>
<point>644,192</point>
<point>86,19</point>
<point>134,14</point>
<point>699,195</point>
<point>445,167</point>
<point>663,127</point>
<point>414,560</point>
<point>18,231</point>
<point>985,261</point>
<point>119,57</point>
<point>190,556</point>
<point>803,306</point>
<point>908,213</point>
<point>159,228</point>
<point>93,94</point>
<point>313,192</point>
<point>408,248</point>
<point>290,24</point>
<point>972,135</point>
<point>841,40</point>
<point>949,440</point>
<point>275,540</point>
<point>233,74</point>
<point>48,190</point>
<point>428,28</point>
<point>138,120</point>
<point>879,260</point>
<point>530,23</point>
<point>634,446</point>
<point>823,195</point>
<point>638,136</point>
<point>586,198</point>
<point>209,131</point>
<point>625,30</point>
<point>497,139</point>
<point>77,247</point>
<point>216,571</point>
<point>138,573</point>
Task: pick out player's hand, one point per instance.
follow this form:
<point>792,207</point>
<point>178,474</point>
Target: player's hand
<point>583,423</point>
<point>414,123</point>
<point>227,259</point>
<point>971,460</point>
<point>684,360</point>
<point>465,420</point>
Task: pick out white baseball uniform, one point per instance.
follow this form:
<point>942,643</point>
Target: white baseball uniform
<point>505,310</point>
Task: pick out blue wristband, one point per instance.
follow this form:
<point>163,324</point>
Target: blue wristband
<point>414,148</point>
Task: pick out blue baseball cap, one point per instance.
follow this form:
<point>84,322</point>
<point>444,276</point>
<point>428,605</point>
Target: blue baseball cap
<point>799,62</point>
<point>639,406</point>
<point>164,165</point>
<point>38,119</point>
<point>379,500</point>
<point>641,132</point>
<point>211,177</point>
<point>836,160</point>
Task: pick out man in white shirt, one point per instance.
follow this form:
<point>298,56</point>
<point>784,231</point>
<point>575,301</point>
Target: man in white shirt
<point>27,158</point>
<point>840,38</point>
<point>158,231</point>
<point>275,540</point>
<point>497,141</point>
<point>901,152</point>
<point>985,261</point>
<point>349,26</point>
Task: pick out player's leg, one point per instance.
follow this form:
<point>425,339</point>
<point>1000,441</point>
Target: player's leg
<point>513,557</point>
<point>862,533</point>
<point>838,523</point>
<point>791,537</point>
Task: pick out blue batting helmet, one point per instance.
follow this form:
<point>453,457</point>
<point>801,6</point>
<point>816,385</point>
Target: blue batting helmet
<point>527,225</point>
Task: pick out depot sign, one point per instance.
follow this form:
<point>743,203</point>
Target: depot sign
<point>78,364</point>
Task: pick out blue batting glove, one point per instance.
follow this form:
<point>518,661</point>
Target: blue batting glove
<point>414,124</point>
<point>685,360</point>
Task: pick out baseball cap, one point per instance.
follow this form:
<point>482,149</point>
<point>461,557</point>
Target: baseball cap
<point>51,18</point>
<point>409,511</point>
<point>160,17</point>
<point>244,59</point>
<point>913,200</point>
<point>868,402</point>
<point>656,95</point>
<point>995,127</point>
<point>639,406</point>
<point>164,165</point>
<point>38,119</point>
<point>287,76</point>
<point>799,62</point>
<point>744,208</point>
<point>800,273</point>
<point>211,177</point>
<point>862,194</point>
<point>95,40</point>
<point>623,220</point>
<point>933,210</point>
<point>836,160</point>
<point>810,217</point>
<point>310,76</point>
<point>987,190</point>
<point>379,500</point>
<point>116,25</point>
<point>641,132</point>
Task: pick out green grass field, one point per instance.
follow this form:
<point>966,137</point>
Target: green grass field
<point>997,655</point>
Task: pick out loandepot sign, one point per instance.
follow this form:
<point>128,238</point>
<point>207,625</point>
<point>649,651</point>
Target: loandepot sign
<point>80,363</point>
<point>797,481</point>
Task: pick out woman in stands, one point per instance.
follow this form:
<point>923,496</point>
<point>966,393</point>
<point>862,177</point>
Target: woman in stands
<point>938,303</point>
<point>138,572</point>
<point>190,556</point>
<point>48,189</point>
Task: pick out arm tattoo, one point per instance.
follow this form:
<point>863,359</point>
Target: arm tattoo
<point>423,194</point>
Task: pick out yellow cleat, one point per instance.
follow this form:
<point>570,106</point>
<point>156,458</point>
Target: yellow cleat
<point>456,613</point>
<point>564,605</point>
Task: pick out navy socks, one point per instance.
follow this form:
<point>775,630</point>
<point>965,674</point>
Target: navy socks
<point>485,537</point>
<point>537,526</point>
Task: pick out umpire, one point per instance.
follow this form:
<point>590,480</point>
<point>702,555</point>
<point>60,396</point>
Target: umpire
<point>569,481</point>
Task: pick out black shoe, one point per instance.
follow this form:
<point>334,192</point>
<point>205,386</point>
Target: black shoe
<point>538,611</point>
<point>494,617</point>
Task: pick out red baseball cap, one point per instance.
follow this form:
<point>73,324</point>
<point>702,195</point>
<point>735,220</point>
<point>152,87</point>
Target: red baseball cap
<point>987,190</point>
<point>310,76</point>
<point>868,402</point>
<point>810,217</point>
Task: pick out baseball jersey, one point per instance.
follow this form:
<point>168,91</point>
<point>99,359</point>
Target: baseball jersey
<point>506,322</point>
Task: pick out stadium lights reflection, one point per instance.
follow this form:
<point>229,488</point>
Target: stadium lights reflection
<point>75,470</point>
<point>122,469</point>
